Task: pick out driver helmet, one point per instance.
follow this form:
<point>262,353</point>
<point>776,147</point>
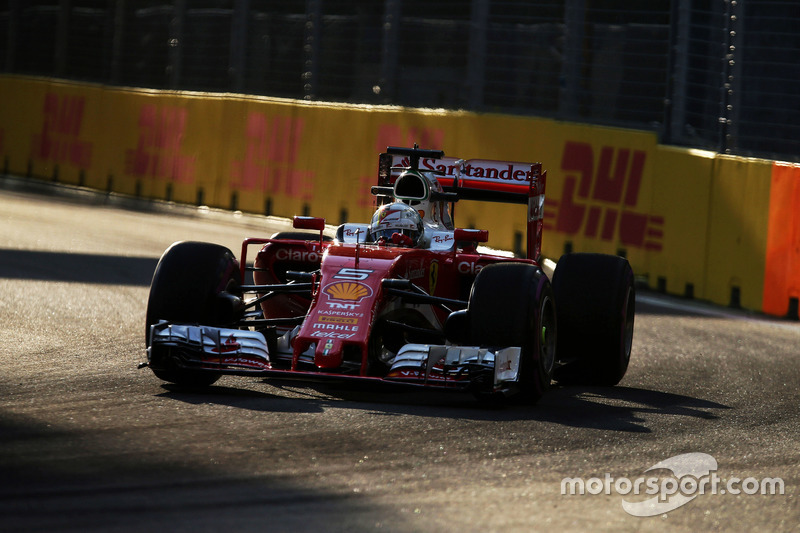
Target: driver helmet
<point>396,218</point>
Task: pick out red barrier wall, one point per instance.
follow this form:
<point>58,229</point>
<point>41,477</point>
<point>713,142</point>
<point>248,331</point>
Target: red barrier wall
<point>782,272</point>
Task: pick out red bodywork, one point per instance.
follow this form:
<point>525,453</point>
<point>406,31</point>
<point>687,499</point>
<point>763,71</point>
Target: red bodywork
<point>348,297</point>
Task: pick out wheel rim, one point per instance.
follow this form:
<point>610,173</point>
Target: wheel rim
<point>627,325</point>
<point>547,337</point>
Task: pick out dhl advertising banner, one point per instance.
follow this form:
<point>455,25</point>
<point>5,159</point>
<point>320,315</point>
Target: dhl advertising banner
<point>692,223</point>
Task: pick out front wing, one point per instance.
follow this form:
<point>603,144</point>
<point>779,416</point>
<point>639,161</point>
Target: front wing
<point>177,347</point>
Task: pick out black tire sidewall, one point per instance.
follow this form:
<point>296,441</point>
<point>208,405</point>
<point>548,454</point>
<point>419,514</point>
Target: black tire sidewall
<point>187,280</point>
<point>185,286</point>
<point>592,292</point>
<point>506,308</point>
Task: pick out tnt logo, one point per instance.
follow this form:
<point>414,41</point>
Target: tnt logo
<point>600,195</point>
<point>59,139</point>
<point>270,158</point>
<point>157,154</point>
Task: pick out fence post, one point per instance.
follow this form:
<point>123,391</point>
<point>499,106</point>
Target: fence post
<point>391,30</point>
<point>118,33</point>
<point>238,64</point>
<point>62,38</point>
<point>313,34</point>
<point>569,93</point>
<point>731,72</point>
<point>678,71</point>
<point>477,53</point>
<point>176,44</point>
<point>13,22</point>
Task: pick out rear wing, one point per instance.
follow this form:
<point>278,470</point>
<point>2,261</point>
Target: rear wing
<point>476,179</point>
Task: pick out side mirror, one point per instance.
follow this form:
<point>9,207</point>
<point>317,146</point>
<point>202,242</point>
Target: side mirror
<point>471,235</point>
<point>315,223</point>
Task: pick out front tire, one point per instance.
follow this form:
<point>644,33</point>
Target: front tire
<point>596,306</point>
<point>512,304</point>
<point>194,283</point>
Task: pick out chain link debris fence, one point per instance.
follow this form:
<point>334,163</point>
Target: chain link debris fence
<point>720,75</point>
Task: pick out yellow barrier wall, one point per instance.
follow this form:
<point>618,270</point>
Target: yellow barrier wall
<point>691,222</point>
<point>680,196</point>
<point>737,231</point>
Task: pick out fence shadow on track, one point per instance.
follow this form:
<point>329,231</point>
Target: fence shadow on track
<point>76,267</point>
<point>608,408</point>
<point>59,478</point>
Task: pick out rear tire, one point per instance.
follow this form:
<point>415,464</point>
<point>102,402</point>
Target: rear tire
<point>194,283</point>
<point>512,304</point>
<point>596,306</point>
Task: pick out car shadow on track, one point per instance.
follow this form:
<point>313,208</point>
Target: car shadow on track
<point>609,408</point>
<point>620,408</point>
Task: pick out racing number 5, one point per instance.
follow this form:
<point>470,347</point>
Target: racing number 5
<point>353,274</point>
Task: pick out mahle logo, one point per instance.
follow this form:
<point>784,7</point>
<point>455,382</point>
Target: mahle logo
<point>693,474</point>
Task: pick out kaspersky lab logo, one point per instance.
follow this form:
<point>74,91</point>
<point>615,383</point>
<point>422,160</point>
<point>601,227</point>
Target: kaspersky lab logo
<point>692,474</point>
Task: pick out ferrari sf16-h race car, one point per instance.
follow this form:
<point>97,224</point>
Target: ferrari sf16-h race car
<point>405,299</point>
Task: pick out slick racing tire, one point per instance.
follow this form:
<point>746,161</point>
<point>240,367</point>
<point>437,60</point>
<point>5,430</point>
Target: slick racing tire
<point>512,304</point>
<point>595,296</point>
<point>194,283</point>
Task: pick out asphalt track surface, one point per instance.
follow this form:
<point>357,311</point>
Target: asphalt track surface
<point>90,443</point>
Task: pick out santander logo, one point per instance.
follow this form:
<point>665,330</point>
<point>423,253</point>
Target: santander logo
<point>476,169</point>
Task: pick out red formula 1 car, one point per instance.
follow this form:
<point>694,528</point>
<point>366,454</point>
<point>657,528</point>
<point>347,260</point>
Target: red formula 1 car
<point>407,298</point>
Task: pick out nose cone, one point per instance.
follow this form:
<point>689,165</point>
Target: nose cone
<point>328,354</point>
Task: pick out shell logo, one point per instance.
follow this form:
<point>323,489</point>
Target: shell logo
<point>347,290</point>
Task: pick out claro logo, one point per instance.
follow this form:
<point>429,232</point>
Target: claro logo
<point>287,254</point>
<point>469,267</point>
<point>600,197</point>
